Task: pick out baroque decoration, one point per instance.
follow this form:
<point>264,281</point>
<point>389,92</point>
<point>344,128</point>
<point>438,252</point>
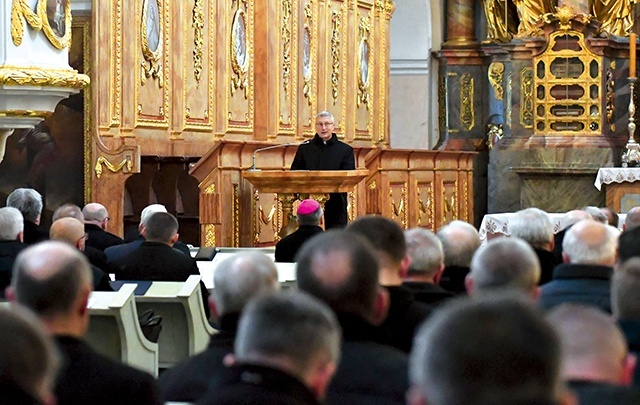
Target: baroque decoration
<point>126,165</point>
<point>40,77</point>
<point>526,98</point>
<point>151,39</point>
<point>54,20</point>
<point>363,63</point>
<point>286,46</point>
<point>467,111</point>
<point>307,55</point>
<point>198,38</point>
<point>495,73</point>
<point>239,51</point>
<point>336,23</point>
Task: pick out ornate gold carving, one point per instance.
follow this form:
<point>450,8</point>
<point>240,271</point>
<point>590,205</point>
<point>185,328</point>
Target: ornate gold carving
<point>363,64</point>
<point>211,189</point>
<point>198,38</point>
<point>611,97</point>
<point>336,23</point>
<point>564,16</point>
<point>495,73</point>
<point>32,76</point>
<point>442,103</point>
<point>61,18</point>
<point>399,210</point>
<point>21,13</point>
<point>529,12</point>
<point>467,111</point>
<point>307,65</point>
<point>526,97</point>
<point>616,16</point>
<point>126,165</point>
<point>509,100</point>
<point>285,31</point>
<point>152,67</point>
<point>501,24</point>
<point>425,206</point>
<point>116,67</point>
<point>25,113</point>
<point>239,50</point>
<point>209,235</point>
<point>235,216</point>
<point>372,185</point>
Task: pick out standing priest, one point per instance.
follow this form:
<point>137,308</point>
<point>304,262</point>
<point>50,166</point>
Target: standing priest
<point>326,152</point>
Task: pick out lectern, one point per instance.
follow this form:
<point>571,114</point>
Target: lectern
<point>300,184</point>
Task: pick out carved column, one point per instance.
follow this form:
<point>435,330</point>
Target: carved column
<point>460,23</point>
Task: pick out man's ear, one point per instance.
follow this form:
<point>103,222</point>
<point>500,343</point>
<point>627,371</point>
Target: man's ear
<point>83,301</point>
<point>404,266</point>
<point>21,237</point>
<point>468,283</point>
<point>213,308</point>
<point>381,307</point>
<point>320,379</point>
<point>175,238</point>
<point>438,275</point>
<point>415,397</point>
<point>628,370</point>
<point>565,258</point>
<point>10,294</point>
<point>535,293</point>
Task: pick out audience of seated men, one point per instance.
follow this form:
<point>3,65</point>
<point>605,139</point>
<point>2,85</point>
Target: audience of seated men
<point>534,227</point>
<point>309,215</point>
<point>28,360</point>
<point>505,264</point>
<point>489,351</point>
<point>625,301</point>
<point>96,257</point>
<point>286,351</point>
<point>595,358</point>
<point>589,252</point>
<point>11,226</point>
<point>29,202</point>
<point>96,219</point>
<point>405,314</point>
<point>460,240</point>
<point>53,280</point>
<point>71,231</point>
<point>426,264</point>
<point>115,254</point>
<point>342,271</point>
<point>632,219</point>
<point>237,280</point>
<point>155,259</point>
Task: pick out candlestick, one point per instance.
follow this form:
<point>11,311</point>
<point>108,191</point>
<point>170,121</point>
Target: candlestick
<point>632,55</point>
<point>631,155</point>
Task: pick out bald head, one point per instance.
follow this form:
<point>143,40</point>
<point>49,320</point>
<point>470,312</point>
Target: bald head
<point>342,270</point>
<point>48,278</point>
<point>593,348</point>
<point>68,230</point>
<point>241,278</point>
<point>460,240</point>
<point>573,217</point>
<point>504,263</point>
<point>96,214</point>
<point>68,211</point>
<point>590,242</point>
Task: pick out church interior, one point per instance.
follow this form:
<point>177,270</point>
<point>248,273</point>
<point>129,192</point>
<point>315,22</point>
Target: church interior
<point>457,109</point>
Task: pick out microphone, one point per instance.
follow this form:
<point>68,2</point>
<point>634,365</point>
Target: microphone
<point>253,167</point>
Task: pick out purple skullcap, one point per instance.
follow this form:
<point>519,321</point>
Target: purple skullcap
<point>308,206</point>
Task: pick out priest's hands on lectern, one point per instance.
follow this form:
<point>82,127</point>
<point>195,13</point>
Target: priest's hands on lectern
<point>326,152</point>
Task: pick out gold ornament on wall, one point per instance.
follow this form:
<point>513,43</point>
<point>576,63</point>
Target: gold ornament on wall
<point>239,51</point>
<point>336,23</point>
<point>53,17</point>
<point>467,112</point>
<point>526,97</point>
<point>363,56</point>
<point>126,165</point>
<point>198,38</point>
<point>496,74</point>
<point>21,13</point>
<point>151,39</point>
<point>611,96</point>
<point>285,31</point>
<point>307,55</point>
<point>40,77</point>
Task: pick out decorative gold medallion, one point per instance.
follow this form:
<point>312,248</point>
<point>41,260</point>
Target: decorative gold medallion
<point>151,37</point>
<point>56,21</point>
<point>239,53</point>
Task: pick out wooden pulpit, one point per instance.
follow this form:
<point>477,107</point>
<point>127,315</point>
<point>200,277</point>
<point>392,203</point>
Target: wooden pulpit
<point>300,184</point>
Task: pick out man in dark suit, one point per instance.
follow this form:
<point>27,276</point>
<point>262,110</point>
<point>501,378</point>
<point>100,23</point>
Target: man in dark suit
<point>326,152</point>
<point>426,266</point>
<point>342,271</point>
<point>237,280</point>
<point>460,240</point>
<point>286,352</point>
<point>405,313</point>
<point>54,280</point>
<point>155,259</point>
<point>11,226</point>
<point>29,202</point>
<point>96,219</point>
<point>596,361</point>
<point>309,215</point>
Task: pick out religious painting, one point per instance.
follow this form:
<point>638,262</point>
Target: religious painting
<point>364,62</point>
<point>306,54</point>
<point>152,27</point>
<point>56,21</point>
<point>239,40</point>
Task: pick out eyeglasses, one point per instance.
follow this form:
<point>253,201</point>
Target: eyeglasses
<point>324,124</point>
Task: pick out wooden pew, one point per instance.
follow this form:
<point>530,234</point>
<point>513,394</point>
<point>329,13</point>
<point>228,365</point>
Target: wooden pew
<point>114,330</point>
<point>185,328</point>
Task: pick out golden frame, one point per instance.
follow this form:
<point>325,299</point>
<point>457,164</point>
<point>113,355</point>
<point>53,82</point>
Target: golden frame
<point>60,42</point>
<point>239,77</point>
<point>152,56</point>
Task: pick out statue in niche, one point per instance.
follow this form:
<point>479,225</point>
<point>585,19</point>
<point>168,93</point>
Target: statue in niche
<point>529,12</point>
<point>616,16</point>
<point>501,26</point>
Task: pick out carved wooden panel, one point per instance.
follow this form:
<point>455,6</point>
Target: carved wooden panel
<point>288,42</point>
<point>335,25</point>
<point>362,65</point>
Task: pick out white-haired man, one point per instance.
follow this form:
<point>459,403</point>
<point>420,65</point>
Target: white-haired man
<point>11,226</point>
<point>29,202</point>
